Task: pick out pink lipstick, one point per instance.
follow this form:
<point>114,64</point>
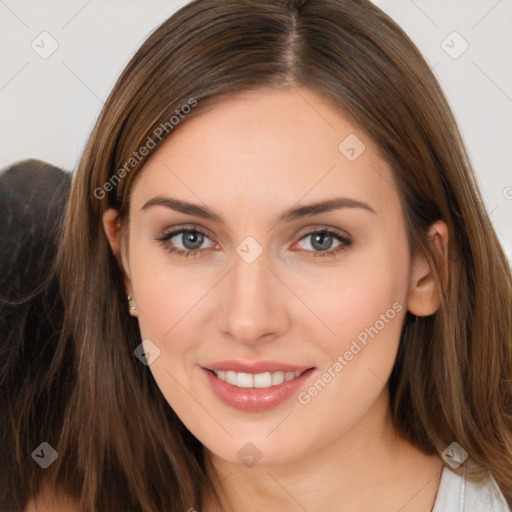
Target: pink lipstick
<point>256,386</point>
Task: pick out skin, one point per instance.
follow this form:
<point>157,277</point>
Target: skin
<point>50,501</point>
<point>250,159</point>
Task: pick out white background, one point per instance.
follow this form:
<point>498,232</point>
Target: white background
<point>49,106</point>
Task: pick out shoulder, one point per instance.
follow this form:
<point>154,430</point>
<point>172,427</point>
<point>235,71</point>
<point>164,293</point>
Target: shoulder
<point>457,493</point>
<point>50,501</point>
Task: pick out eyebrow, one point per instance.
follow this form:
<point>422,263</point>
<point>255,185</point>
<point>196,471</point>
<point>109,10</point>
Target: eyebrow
<point>290,215</point>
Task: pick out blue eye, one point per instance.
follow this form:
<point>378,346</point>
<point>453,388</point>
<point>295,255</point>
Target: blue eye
<point>192,240</point>
<point>322,240</point>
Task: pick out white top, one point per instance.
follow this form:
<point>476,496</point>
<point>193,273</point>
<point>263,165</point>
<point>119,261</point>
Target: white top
<point>457,494</point>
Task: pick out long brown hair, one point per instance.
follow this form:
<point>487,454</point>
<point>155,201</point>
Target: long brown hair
<point>121,446</point>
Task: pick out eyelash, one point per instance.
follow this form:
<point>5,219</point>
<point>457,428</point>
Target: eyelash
<point>164,240</point>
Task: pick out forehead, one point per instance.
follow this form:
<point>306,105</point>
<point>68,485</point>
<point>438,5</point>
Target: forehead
<point>267,147</point>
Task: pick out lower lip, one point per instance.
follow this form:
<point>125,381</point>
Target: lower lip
<point>255,399</point>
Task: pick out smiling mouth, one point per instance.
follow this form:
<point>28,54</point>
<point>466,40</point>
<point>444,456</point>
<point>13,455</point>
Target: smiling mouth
<point>258,380</point>
<point>256,392</point>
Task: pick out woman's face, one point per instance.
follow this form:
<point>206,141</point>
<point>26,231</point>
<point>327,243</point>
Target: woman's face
<point>301,328</point>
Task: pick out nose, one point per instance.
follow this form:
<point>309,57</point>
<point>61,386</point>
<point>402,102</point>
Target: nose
<point>253,303</point>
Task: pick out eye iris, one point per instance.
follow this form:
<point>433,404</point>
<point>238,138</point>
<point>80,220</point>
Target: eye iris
<point>319,238</point>
<point>196,240</point>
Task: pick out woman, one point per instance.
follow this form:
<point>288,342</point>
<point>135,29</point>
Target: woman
<point>281,285</point>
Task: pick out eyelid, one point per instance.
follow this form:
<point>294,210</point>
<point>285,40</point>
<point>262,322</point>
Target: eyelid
<point>186,227</point>
<point>172,232</point>
<point>322,228</point>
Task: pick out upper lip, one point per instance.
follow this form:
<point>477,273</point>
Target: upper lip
<point>256,367</point>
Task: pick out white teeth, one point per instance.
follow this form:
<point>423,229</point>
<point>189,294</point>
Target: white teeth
<point>258,380</point>
<point>277,378</point>
<point>263,380</point>
<point>244,380</point>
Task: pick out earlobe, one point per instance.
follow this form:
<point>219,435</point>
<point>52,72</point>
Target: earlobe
<point>424,296</point>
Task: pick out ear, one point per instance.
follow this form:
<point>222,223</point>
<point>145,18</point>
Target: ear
<point>423,297</point>
<point>113,230</point>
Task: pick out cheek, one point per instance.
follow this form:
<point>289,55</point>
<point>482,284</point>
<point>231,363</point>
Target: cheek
<point>168,302</point>
<point>165,294</point>
<point>365,308</point>
<point>364,298</point>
